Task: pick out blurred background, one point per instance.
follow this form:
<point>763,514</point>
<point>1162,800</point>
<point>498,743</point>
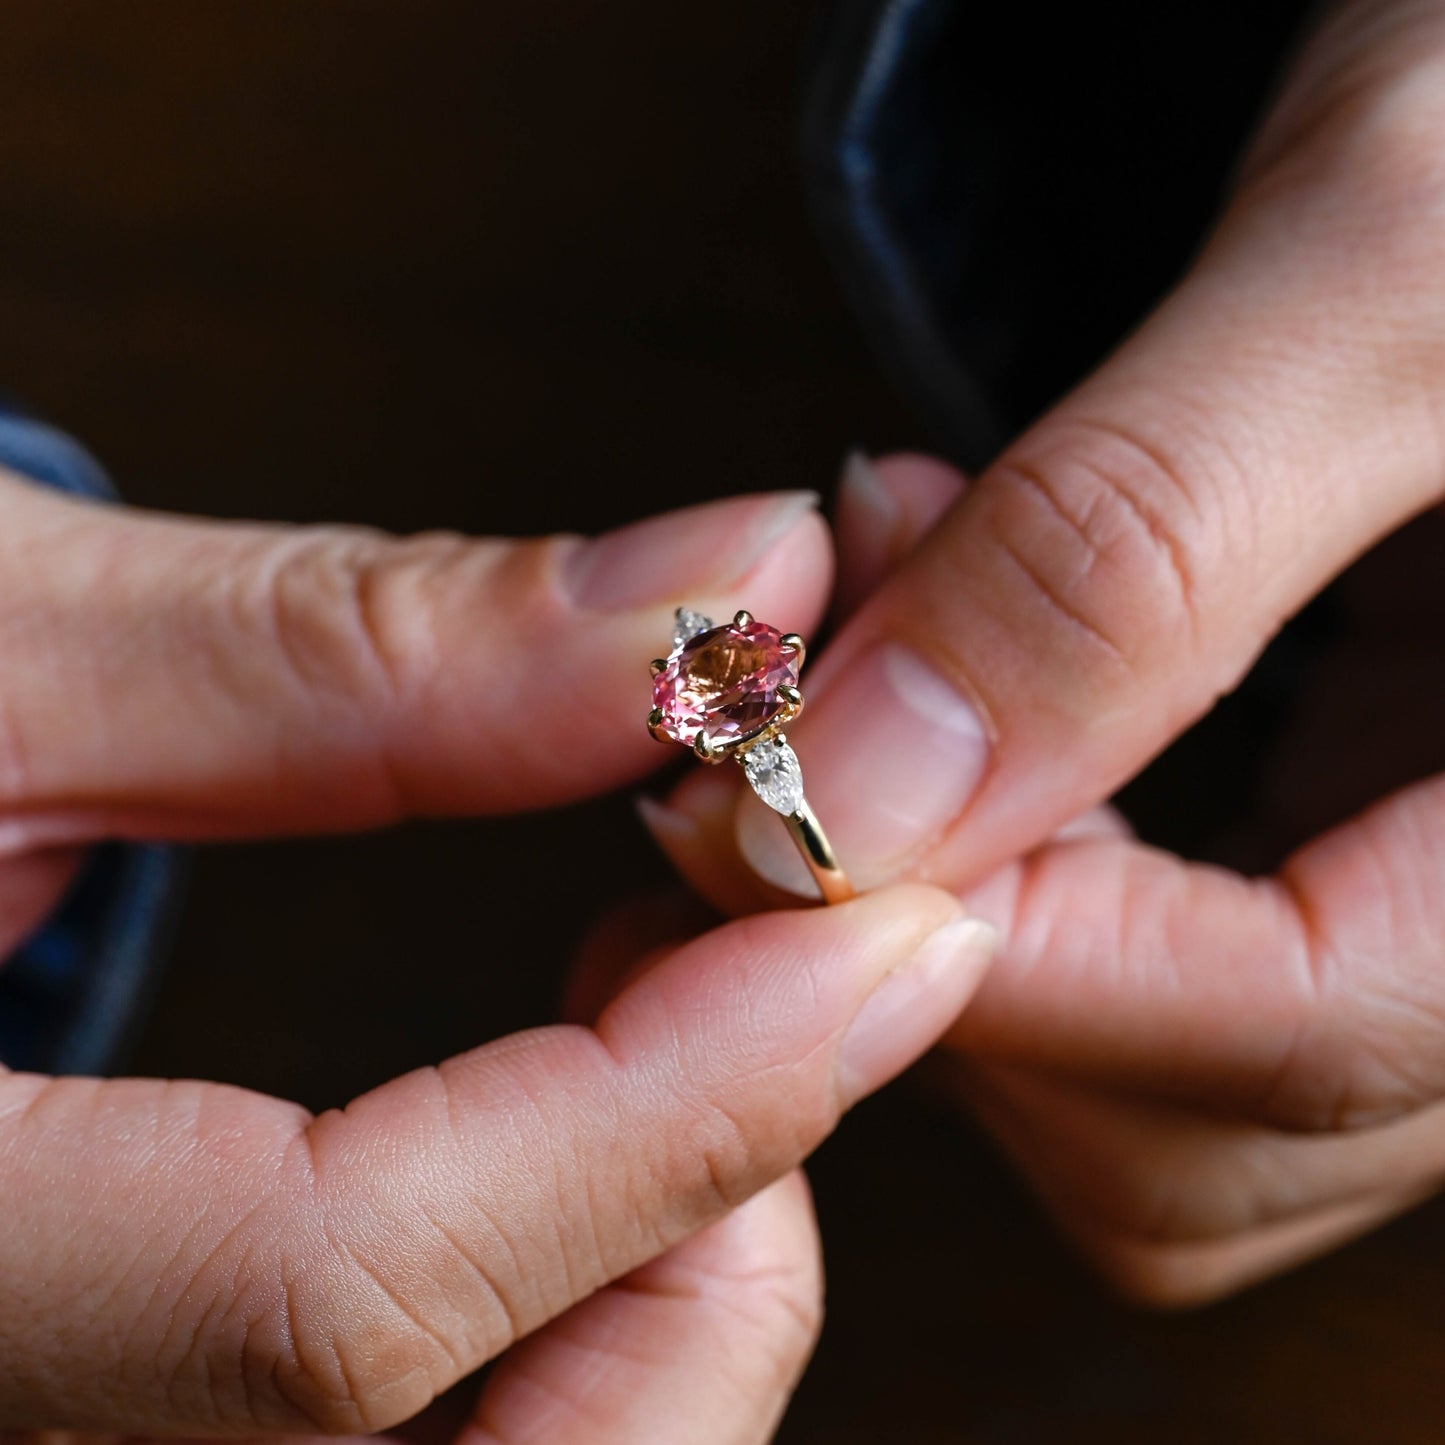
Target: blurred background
<point>513,268</point>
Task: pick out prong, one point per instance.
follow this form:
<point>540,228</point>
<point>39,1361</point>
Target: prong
<point>794,700</point>
<point>657,664</point>
<point>742,619</point>
<point>654,721</point>
<point>706,749</point>
<point>791,639</point>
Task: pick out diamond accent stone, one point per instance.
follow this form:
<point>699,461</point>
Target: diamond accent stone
<point>686,625</point>
<point>772,768</point>
<point>724,684</point>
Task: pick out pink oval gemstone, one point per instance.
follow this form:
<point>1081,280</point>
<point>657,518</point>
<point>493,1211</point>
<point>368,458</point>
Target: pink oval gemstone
<point>724,683</point>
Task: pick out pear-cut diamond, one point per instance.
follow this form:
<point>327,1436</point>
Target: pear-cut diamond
<point>772,768</point>
<point>686,625</point>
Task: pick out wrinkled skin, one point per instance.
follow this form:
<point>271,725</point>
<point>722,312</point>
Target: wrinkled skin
<point>620,1192</point>
<point>1207,1077</point>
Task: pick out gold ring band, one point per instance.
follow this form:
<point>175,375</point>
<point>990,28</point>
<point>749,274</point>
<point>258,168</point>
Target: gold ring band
<point>728,692</point>
<point>818,854</point>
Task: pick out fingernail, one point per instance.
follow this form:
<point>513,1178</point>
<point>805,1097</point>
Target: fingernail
<point>866,493</point>
<point>683,554</point>
<point>867,523</point>
<point>670,826</point>
<point>912,1006</point>
<point>893,757</point>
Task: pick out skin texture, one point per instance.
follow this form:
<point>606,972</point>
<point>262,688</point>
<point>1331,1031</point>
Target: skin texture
<point>1208,1077</point>
<point>620,1191</point>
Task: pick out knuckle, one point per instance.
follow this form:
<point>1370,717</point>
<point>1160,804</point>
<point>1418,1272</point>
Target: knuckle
<point>1107,534</point>
<point>272,1327</point>
<point>347,610</point>
<point>1367,1046</point>
<point>345,1352</point>
<point>721,1164</point>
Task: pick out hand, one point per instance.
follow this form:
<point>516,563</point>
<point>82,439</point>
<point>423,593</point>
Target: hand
<point>188,1257</point>
<point>1207,1076</point>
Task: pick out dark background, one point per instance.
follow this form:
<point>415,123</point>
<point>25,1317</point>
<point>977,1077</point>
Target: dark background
<point>510,267</point>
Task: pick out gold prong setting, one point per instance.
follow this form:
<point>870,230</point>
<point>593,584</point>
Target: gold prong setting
<point>743,648</point>
<point>728,692</point>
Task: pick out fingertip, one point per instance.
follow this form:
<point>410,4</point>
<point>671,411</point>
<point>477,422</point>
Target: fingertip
<point>630,937</point>
<point>916,1000</point>
<point>884,507</point>
<point>923,487</point>
<point>693,828</point>
<point>792,580</point>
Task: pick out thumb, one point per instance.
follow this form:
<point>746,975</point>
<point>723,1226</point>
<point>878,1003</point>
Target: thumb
<point>168,677</point>
<point>1122,564</point>
<point>189,1257</point>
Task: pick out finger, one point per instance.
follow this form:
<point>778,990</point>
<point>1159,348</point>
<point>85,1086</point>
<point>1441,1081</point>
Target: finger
<point>701,1347</point>
<point>192,1257</point>
<point>624,943</point>
<point>1186,1275</point>
<point>1312,1000</point>
<point>1153,1173</point>
<point>885,508</point>
<point>694,828</point>
<point>169,677</point>
<point>1122,564</point>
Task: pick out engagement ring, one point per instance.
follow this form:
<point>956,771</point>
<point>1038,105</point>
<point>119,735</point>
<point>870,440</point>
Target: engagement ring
<point>728,692</point>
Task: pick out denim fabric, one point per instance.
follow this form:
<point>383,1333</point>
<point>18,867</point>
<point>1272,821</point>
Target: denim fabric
<point>71,995</point>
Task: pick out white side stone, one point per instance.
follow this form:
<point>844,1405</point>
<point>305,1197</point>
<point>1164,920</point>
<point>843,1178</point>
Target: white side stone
<point>773,770</point>
<point>686,625</point>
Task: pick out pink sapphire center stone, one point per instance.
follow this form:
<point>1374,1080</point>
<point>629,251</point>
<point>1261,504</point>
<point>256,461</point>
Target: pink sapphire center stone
<point>724,683</point>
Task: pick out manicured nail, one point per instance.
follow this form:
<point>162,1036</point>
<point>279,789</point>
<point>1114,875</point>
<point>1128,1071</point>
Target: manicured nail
<point>873,502</point>
<point>890,759</point>
<point>670,826</point>
<point>867,524</point>
<point>911,1006</point>
<point>682,555</point>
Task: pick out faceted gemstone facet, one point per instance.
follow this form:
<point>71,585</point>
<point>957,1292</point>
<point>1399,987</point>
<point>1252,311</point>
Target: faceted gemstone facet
<point>723,683</point>
<point>772,768</point>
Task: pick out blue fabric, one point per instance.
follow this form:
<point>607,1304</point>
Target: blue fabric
<point>71,996</point>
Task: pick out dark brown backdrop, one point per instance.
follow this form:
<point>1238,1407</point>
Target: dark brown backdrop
<point>509,267</point>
